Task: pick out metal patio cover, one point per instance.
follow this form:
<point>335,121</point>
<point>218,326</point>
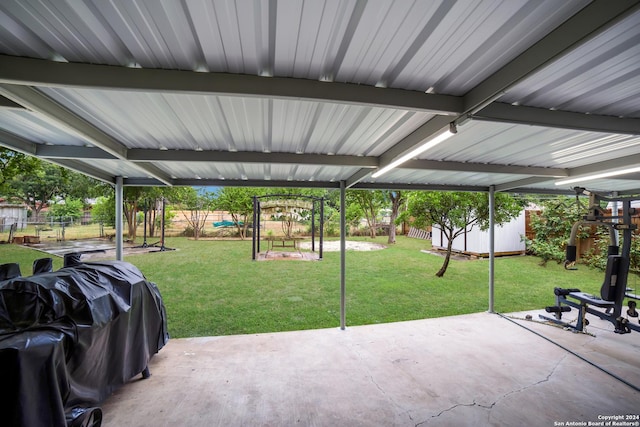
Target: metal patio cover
<point>318,92</point>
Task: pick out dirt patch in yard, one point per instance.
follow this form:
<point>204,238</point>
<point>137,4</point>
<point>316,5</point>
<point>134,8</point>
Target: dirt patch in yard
<point>351,245</point>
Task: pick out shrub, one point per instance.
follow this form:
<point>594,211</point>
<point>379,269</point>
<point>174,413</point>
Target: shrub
<point>67,210</point>
<point>552,229</point>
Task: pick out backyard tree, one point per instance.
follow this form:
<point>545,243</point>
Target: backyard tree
<point>397,198</point>
<point>12,164</point>
<point>24,176</point>
<point>132,197</point>
<point>104,210</point>
<point>65,210</point>
<point>149,198</point>
<point>83,187</point>
<point>369,203</point>
<point>198,204</point>
<point>135,200</point>
<point>152,201</point>
<point>455,212</point>
<point>39,185</point>
<point>238,201</point>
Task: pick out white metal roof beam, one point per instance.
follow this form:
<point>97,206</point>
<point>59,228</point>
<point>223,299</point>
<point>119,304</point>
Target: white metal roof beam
<point>357,177</point>
<point>37,72</point>
<point>21,145</point>
<point>615,164</point>
<point>593,19</point>
<point>412,187</point>
<point>35,100</point>
<point>72,152</point>
<point>146,155</point>
<point>609,165</point>
<point>7,103</point>
<point>484,168</point>
<point>533,190</point>
<point>520,183</point>
<point>17,143</point>
<point>507,113</point>
<point>85,169</point>
<point>436,187</point>
<point>142,182</point>
<point>629,192</point>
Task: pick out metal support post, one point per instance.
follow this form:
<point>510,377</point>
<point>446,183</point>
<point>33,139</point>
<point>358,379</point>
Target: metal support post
<point>313,225</point>
<point>321,226</point>
<point>164,205</point>
<point>119,223</point>
<point>343,263</point>
<point>253,230</point>
<point>146,210</point>
<point>492,190</point>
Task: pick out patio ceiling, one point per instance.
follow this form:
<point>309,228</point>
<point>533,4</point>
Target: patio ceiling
<point>314,93</point>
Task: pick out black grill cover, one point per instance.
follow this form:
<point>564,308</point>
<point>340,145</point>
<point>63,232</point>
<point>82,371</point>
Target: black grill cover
<point>69,338</point>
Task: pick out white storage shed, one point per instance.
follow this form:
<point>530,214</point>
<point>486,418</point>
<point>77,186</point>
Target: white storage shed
<point>508,239</point>
<point>12,214</point>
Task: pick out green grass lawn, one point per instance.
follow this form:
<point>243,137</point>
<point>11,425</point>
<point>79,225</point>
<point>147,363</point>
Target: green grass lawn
<point>214,288</point>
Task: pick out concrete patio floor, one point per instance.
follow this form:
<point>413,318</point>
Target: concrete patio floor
<point>472,370</point>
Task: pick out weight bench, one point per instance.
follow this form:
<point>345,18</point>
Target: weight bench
<point>608,304</point>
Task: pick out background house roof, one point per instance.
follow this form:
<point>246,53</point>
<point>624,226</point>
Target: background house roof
<point>312,93</point>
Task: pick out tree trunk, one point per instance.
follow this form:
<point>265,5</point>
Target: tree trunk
<point>198,222</point>
<point>130,210</point>
<point>241,228</point>
<point>245,225</point>
<point>195,220</point>
<point>447,257</point>
<point>36,211</point>
<point>395,207</point>
<point>151,220</point>
<point>372,225</point>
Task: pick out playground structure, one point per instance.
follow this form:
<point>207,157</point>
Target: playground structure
<point>609,305</point>
<point>288,209</point>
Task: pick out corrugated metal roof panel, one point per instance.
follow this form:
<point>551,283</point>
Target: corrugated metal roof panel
<point>600,77</point>
<point>231,123</point>
<point>412,45</point>
<point>119,168</point>
<point>451,46</point>
<point>426,177</point>
<point>255,171</point>
<point>465,44</point>
<point>37,128</point>
<point>509,144</point>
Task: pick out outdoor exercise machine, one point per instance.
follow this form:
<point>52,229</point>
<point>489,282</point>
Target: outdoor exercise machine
<point>316,204</point>
<point>609,304</point>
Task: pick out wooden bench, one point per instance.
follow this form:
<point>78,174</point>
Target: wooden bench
<point>283,242</point>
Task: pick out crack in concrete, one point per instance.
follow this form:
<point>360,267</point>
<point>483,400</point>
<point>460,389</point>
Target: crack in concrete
<point>491,406</point>
<point>555,367</point>
<point>457,405</point>
<point>403,411</point>
<point>377,385</point>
